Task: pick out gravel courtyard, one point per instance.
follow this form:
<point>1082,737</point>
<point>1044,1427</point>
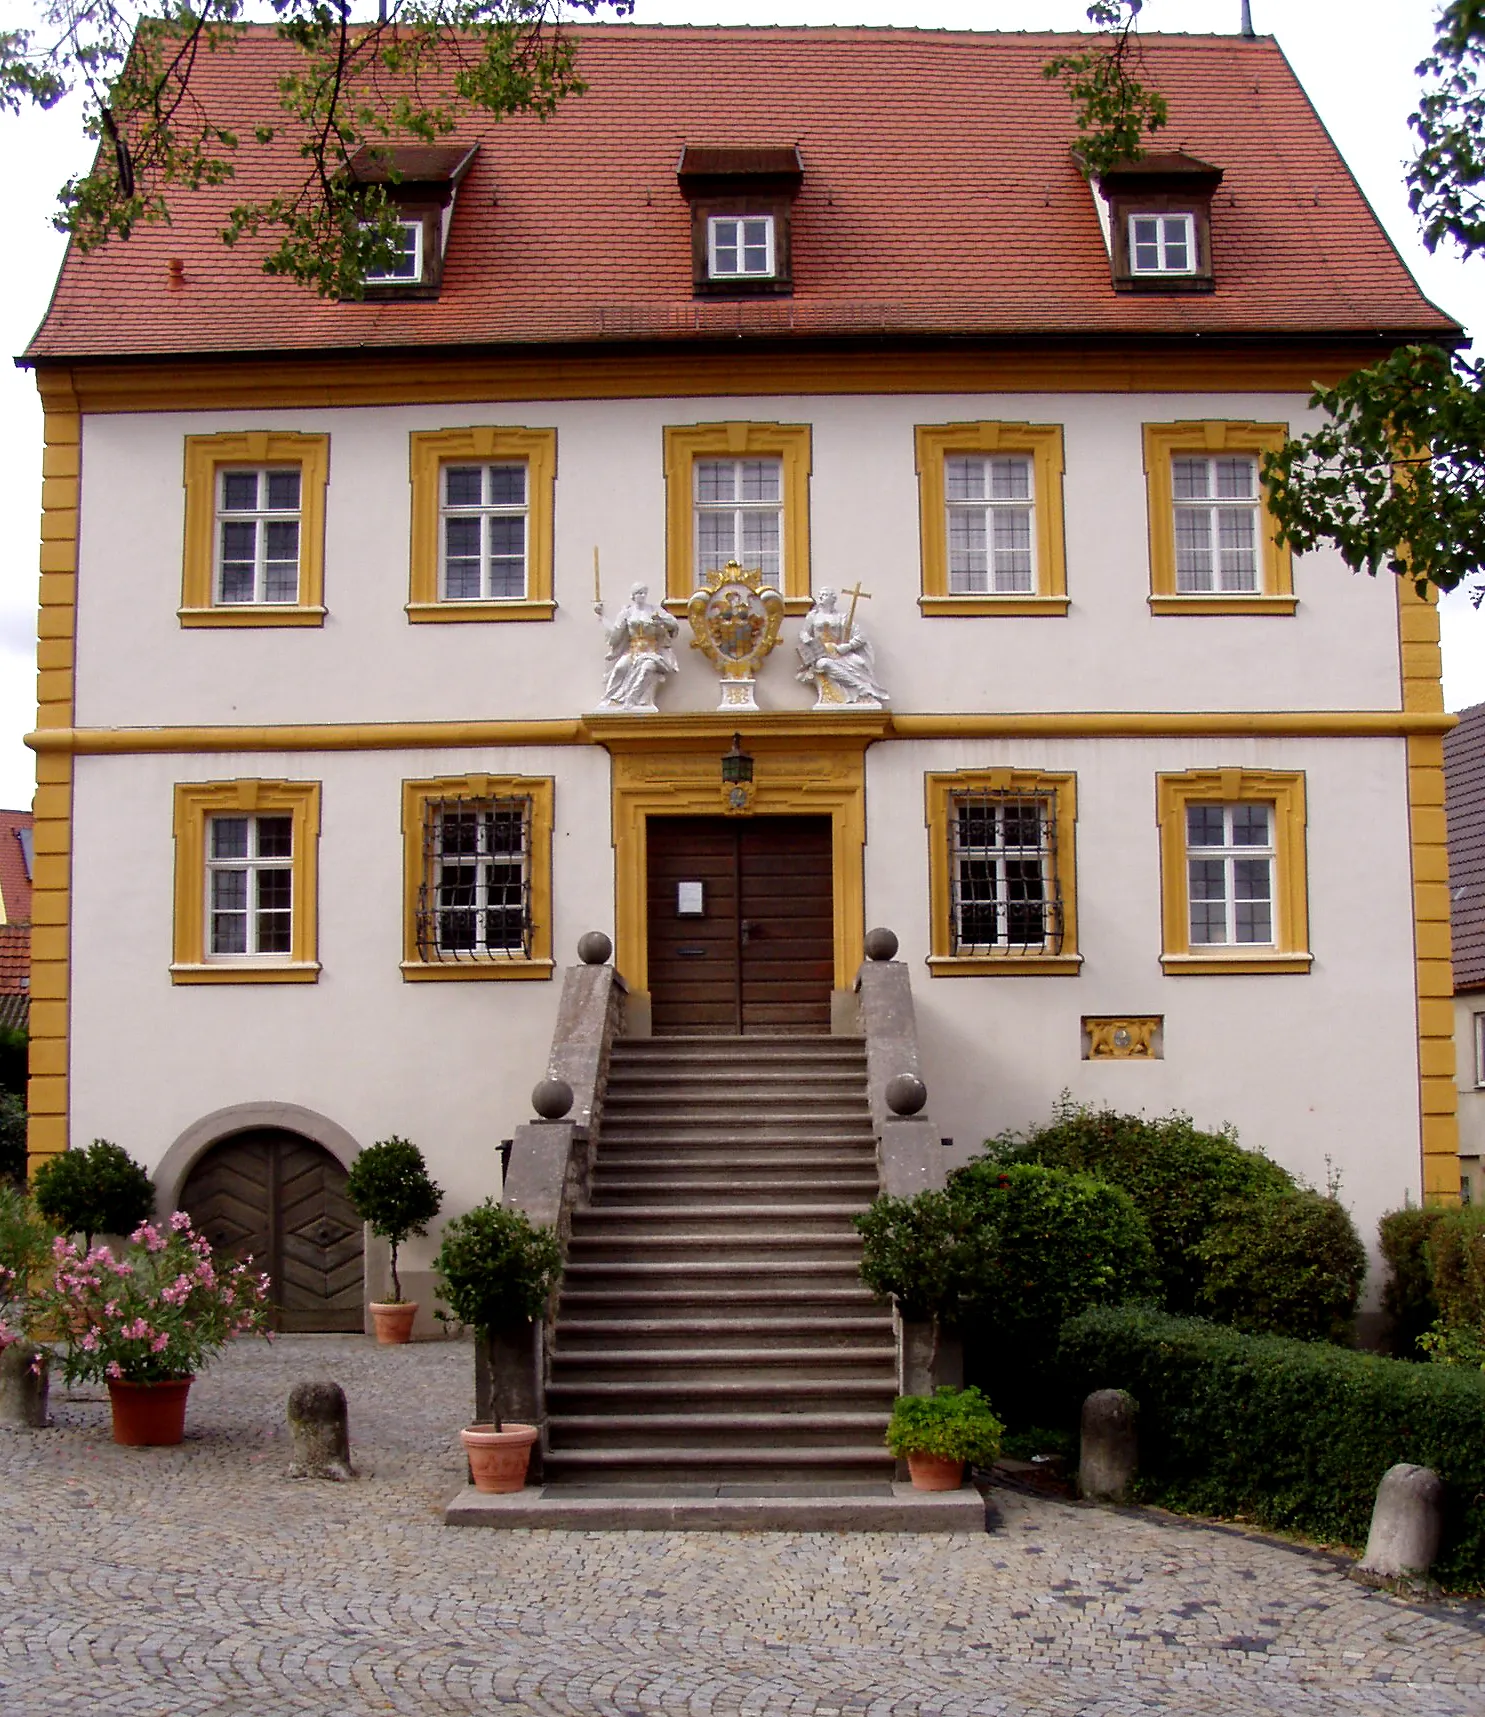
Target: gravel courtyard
<point>199,1580</point>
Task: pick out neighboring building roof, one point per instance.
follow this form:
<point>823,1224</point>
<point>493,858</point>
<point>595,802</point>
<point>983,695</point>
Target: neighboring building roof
<point>15,975</point>
<point>1464,802</point>
<point>15,867</point>
<point>939,198</point>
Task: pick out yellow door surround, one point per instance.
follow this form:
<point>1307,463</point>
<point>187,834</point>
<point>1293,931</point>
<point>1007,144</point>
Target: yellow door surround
<point>671,766</point>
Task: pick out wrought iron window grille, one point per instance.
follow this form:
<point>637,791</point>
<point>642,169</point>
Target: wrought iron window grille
<point>1004,891</point>
<point>474,893</point>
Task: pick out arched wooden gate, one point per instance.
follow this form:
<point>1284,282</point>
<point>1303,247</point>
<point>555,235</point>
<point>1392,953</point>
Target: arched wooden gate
<point>280,1198</point>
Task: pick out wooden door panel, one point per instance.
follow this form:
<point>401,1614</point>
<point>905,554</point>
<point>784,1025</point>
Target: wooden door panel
<point>227,1196</point>
<point>693,961</point>
<point>786,893</point>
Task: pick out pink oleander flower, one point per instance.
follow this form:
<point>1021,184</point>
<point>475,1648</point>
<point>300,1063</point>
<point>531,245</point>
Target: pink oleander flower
<point>111,1310</point>
<point>160,1343</point>
<point>114,1369</point>
<point>139,1330</point>
<point>6,1332</point>
<point>180,1222</point>
<point>90,1341</point>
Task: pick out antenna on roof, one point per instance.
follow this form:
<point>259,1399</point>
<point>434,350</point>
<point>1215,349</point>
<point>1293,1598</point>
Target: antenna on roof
<point>1247,26</point>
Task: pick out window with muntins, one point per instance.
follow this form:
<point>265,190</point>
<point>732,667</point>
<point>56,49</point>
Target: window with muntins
<point>1480,1049</point>
<point>740,246</point>
<point>258,535</point>
<point>1002,875</point>
<point>407,267</point>
<point>250,885</point>
<point>483,527</point>
<point>990,505</point>
<point>1161,244</point>
<point>475,898</point>
<point>1230,875</point>
<point>740,516</point>
<point>1216,505</point>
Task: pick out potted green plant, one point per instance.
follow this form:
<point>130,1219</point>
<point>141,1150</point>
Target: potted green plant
<point>496,1269</point>
<point>146,1322</point>
<point>391,1191</point>
<point>100,1190</point>
<point>936,1434</point>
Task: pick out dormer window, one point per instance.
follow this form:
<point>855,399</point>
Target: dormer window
<point>742,206</point>
<point>408,265</point>
<point>740,246</point>
<point>1161,244</point>
<point>421,182</point>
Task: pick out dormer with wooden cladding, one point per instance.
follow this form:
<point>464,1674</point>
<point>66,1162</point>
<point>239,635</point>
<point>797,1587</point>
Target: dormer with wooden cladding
<point>1160,222</point>
<point>742,208</point>
<point>421,181</point>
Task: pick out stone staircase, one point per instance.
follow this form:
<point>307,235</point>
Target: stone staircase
<point>712,1330</point>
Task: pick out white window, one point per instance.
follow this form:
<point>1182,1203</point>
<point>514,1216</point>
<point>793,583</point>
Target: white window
<point>250,885</point>
<point>740,516</point>
<point>257,535</point>
<point>1002,874</point>
<point>1216,505</point>
<point>989,503</point>
<point>1162,244</point>
<point>1230,874</point>
<point>1480,1049</point>
<point>484,521</point>
<point>407,265</point>
<point>739,246</point>
<point>475,894</point>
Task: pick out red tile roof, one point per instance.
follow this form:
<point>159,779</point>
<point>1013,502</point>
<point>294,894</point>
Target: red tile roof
<point>938,198</point>
<point>1464,803</point>
<point>15,874</point>
<point>15,974</point>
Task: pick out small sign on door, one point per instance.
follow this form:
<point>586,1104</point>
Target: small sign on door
<point>690,900</point>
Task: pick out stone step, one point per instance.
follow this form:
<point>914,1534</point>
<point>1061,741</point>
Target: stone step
<point>673,1189</point>
<point>659,1154</point>
<point>872,1393</point>
<point>787,1142</point>
<point>755,1364</point>
<point>745,1117</point>
<point>722,1503</point>
<point>769,1080</point>
<point>656,1431</point>
<point>750,1223</point>
<point>678,1274</point>
<point>757,1046</point>
<point>838,1330</point>
<point>668,1302</point>
<point>747,1463</point>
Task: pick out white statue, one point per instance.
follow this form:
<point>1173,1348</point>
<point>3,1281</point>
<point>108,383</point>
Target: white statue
<point>639,653</point>
<point>837,657</point>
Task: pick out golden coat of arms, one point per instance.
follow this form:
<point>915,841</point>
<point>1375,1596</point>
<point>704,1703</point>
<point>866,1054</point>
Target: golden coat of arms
<point>735,617</point>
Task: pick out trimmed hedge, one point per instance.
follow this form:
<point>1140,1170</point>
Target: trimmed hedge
<point>1408,1296</point>
<point>1289,1434</point>
<point>1283,1263</point>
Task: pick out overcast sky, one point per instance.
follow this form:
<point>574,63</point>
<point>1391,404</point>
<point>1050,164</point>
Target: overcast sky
<point>1354,57</point>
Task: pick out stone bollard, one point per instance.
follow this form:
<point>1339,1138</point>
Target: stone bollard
<point>1110,1451</point>
<point>317,1423</point>
<point>1407,1523</point>
<point>24,1380</point>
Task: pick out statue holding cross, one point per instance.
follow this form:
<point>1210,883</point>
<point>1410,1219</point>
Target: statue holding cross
<point>836,657</point>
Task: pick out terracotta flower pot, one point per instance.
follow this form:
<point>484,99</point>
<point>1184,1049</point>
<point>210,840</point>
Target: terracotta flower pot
<point>498,1459</point>
<point>935,1472</point>
<point>393,1321</point>
<point>149,1415</point>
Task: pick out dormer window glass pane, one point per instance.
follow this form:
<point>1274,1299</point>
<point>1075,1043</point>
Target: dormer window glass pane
<point>1162,244</point>
<point>257,535</point>
<point>483,525</point>
<point>989,504</point>
<point>407,266</point>
<point>739,516</point>
<point>740,246</point>
<point>1217,528</point>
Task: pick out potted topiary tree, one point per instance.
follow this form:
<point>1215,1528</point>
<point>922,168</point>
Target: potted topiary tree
<point>496,1270</point>
<point>101,1190</point>
<point>391,1191</point>
<point>936,1434</point>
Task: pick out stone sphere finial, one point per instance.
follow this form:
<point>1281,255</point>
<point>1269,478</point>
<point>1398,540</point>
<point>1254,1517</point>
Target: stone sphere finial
<point>594,948</point>
<point>551,1099</point>
<point>880,944</point>
<point>906,1094</point>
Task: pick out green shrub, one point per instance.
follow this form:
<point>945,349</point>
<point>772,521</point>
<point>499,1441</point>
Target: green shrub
<point>25,1250</point>
<point>389,1187</point>
<point>956,1424</point>
<point>495,1267</point>
<point>12,1140</point>
<point>13,1050</point>
<point>917,1250</point>
<point>1179,1177</point>
<point>1456,1254</point>
<point>101,1190</point>
<point>1407,1297</point>
<point>1289,1434</point>
<point>1283,1263</point>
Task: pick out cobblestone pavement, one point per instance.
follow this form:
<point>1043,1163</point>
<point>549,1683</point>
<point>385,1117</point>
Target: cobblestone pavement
<point>199,1580</point>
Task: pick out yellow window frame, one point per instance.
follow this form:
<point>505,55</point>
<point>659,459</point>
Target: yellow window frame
<point>1285,791</point>
<point>940,792</point>
<point>195,803</point>
<point>429,450</point>
<point>539,789</point>
<point>1276,564</point>
<point>684,445</point>
<point>205,456</point>
<point>1043,444</point>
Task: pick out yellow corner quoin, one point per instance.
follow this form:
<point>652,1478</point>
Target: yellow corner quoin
<point>1285,791</point>
<point>428,452</point>
<point>205,456</point>
<point>939,792</point>
<point>47,1085</point>
<point>195,803</point>
<point>684,445</point>
<point>416,796</point>
<point>1162,441</point>
<point>1420,665</point>
<point>933,443</point>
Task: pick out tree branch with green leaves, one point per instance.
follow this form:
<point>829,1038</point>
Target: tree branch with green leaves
<point>1115,111</point>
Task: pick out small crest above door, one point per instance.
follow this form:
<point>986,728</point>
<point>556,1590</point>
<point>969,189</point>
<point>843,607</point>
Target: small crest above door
<point>735,617</point>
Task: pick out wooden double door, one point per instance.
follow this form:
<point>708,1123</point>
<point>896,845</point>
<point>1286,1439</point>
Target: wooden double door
<point>741,921</point>
<point>279,1199</point>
